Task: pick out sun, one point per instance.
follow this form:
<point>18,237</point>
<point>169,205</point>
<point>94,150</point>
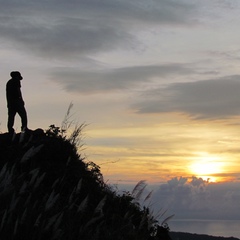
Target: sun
<point>207,167</point>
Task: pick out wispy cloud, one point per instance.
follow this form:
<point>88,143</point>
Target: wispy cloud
<point>105,80</point>
<point>70,28</point>
<point>214,98</point>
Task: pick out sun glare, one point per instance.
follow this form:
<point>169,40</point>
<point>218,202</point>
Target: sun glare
<point>207,167</point>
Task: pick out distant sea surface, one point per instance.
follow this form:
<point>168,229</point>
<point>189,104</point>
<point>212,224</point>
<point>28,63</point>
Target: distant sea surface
<point>222,228</point>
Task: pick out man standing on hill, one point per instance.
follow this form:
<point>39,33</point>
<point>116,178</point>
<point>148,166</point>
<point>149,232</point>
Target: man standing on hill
<point>15,102</point>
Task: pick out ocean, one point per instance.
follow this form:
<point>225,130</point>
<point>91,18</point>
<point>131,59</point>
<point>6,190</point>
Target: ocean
<point>222,228</point>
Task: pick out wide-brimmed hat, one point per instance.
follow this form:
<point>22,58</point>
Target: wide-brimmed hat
<point>16,75</point>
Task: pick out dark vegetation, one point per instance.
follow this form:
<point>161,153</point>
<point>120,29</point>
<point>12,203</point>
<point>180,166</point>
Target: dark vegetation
<point>48,191</point>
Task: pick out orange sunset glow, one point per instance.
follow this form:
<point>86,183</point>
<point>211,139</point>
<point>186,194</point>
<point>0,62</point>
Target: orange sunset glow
<point>167,150</point>
<point>208,167</point>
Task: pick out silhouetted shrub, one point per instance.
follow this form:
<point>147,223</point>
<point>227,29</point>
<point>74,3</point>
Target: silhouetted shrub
<point>48,191</point>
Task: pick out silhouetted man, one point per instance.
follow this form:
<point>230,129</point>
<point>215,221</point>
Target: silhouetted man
<point>15,102</point>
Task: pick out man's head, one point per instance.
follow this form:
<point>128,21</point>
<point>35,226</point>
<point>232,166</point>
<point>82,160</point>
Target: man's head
<point>16,75</point>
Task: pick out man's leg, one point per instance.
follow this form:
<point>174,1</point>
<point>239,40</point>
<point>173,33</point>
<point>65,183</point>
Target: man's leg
<point>23,114</point>
<point>11,116</point>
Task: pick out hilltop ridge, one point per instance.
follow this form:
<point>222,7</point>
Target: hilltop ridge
<point>194,236</point>
<point>48,191</point>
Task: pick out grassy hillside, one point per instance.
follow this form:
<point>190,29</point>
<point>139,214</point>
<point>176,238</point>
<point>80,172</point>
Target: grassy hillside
<point>48,191</point>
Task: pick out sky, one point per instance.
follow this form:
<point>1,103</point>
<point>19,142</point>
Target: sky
<point>156,82</point>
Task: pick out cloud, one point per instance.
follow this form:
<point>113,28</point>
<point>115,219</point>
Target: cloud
<point>214,98</point>
<point>63,38</point>
<point>198,199</point>
<point>108,80</point>
<point>68,28</point>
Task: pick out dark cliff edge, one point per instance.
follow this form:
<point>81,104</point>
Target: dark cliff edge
<point>48,191</point>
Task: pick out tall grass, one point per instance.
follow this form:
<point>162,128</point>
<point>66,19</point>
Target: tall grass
<point>47,191</point>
